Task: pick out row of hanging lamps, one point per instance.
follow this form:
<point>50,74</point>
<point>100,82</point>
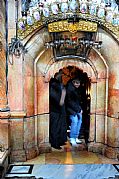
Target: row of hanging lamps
<point>35,10</point>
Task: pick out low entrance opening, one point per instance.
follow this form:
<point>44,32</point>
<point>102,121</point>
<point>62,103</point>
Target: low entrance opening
<point>68,73</point>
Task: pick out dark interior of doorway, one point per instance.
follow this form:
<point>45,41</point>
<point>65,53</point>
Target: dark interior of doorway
<point>68,74</point>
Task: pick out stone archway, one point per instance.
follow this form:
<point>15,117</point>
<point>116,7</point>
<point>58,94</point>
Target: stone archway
<point>98,97</point>
<point>36,75</point>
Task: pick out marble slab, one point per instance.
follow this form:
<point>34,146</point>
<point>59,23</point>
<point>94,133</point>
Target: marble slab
<point>20,169</point>
<point>77,171</point>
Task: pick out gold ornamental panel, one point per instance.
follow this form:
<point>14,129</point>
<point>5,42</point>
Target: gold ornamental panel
<point>61,26</point>
<point>72,27</point>
<point>58,26</point>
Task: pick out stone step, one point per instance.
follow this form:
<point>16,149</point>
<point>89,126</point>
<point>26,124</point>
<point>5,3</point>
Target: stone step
<point>18,156</point>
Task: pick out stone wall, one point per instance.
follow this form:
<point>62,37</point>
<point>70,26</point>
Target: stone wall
<point>28,94</point>
<point>4,110</point>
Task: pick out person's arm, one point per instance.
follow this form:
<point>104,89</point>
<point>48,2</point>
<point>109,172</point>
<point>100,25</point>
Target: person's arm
<point>63,94</point>
<point>54,97</point>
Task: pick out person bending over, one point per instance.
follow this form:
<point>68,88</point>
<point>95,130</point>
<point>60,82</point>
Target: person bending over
<point>74,110</point>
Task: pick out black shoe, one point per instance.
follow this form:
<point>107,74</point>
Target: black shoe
<point>59,148</point>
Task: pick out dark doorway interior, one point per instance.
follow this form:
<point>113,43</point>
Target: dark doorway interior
<point>68,74</point>
<point>85,92</point>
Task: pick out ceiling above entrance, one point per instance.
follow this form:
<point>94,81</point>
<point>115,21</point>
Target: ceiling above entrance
<point>39,13</point>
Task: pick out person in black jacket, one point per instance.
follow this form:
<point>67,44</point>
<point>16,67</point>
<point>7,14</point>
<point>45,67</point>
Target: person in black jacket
<point>74,110</point>
<point>58,126</point>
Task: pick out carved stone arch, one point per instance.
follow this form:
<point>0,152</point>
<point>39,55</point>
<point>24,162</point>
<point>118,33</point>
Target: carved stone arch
<point>99,65</point>
<point>56,66</point>
<point>35,84</point>
<point>98,76</point>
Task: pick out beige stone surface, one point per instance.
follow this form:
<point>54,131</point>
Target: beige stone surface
<point>113,132</point>
<point>15,85</point>
<point>43,129</point>
<point>101,96</point>
<point>110,50</point>
<point>29,95</point>
<point>3,97</point>
<point>4,133</point>
<point>93,93</point>
<point>43,95</point>
<point>16,134</point>
<point>100,128</point>
<point>111,153</point>
<point>113,104</point>
<point>92,127</point>
<point>28,92</point>
<point>29,132</point>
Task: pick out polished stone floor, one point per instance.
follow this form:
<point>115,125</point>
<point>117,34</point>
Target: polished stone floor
<point>79,171</point>
<point>71,155</point>
<point>68,163</point>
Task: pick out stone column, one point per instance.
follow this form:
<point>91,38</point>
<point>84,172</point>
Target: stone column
<point>17,137</point>
<point>93,94</point>
<point>97,117</point>
<point>4,132</point>
<point>100,112</point>
<point>112,149</point>
<point>3,81</point>
<point>16,103</point>
<point>3,86</point>
<point>4,110</point>
<point>15,86</point>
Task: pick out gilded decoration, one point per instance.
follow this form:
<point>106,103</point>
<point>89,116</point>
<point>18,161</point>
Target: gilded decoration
<point>37,14</point>
<point>114,30</point>
<point>73,27</point>
<point>61,26</point>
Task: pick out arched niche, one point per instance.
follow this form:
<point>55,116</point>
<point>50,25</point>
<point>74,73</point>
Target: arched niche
<point>97,71</point>
<point>39,66</point>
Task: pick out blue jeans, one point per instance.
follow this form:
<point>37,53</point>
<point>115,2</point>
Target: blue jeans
<point>76,121</point>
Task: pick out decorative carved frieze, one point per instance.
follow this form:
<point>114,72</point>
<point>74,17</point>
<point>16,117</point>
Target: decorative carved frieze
<point>72,27</point>
<point>31,29</point>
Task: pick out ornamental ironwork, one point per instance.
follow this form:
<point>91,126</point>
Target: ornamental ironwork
<point>68,44</point>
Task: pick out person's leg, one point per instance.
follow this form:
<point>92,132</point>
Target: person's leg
<point>73,131</point>
<point>79,115</point>
<point>79,123</point>
<point>63,130</point>
<point>54,130</point>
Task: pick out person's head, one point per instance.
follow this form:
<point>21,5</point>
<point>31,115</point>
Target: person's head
<point>76,82</point>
